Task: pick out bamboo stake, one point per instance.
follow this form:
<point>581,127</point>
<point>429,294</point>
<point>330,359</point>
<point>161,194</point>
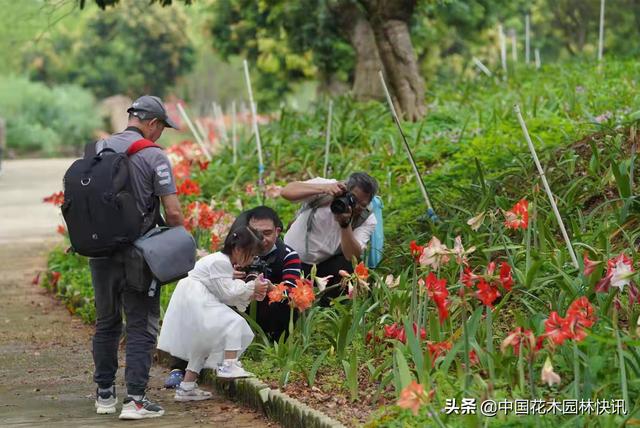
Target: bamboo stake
<point>538,62</point>
<point>514,46</point>
<point>193,130</point>
<point>547,189</point>
<point>328,139</point>
<point>481,66</point>
<point>219,117</point>
<point>204,134</point>
<point>601,35</point>
<point>527,36</point>
<point>430,212</point>
<point>234,134</point>
<point>254,117</point>
<point>503,50</point>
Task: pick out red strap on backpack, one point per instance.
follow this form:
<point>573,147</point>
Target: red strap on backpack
<point>141,144</point>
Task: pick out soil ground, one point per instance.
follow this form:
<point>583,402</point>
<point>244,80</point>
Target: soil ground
<point>46,365</point>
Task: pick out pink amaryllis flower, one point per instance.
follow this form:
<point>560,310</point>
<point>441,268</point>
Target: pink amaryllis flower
<point>434,254</point>
<point>548,376</point>
<point>619,273</point>
<point>413,396</point>
<point>518,337</point>
<point>589,265</point>
<point>460,252</point>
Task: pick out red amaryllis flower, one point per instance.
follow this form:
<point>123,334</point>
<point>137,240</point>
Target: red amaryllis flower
<point>473,358</point>
<point>555,328</point>
<point>189,187</point>
<point>518,337</point>
<point>301,297</point>
<point>61,229</point>
<point>589,265</point>
<point>203,165</point>
<point>437,290</point>
<point>391,331</point>
<point>278,294</point>
<point>468,278</point>
<point>182,170</point>
<point>487,293</point>
<point>437,350</point>
<point>619,273</point>
<point>580,316</point>
<point>215,242</point>
<point>505,276</point>
<point>416,250</point>
<point>518,216</point>
<point>55,199</point>
<point>423,332</point>
<point>361,271</point>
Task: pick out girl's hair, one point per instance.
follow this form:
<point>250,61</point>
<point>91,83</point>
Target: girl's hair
<point>245,238</point>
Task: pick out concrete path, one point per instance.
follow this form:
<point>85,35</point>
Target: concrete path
<point>45,354</point>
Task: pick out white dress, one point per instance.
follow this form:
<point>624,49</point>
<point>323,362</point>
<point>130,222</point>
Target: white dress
<point>199,325</point>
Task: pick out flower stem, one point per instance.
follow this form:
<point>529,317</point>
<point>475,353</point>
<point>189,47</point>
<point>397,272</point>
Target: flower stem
<point>291,321</point>
<point>467,365</point>
<point>576,371</point>
<point>521,381</point>
<point>623,367</point>
<point>489,322</point>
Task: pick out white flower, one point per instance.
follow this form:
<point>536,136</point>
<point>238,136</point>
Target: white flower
<point>391,283</point>
<point>434,254</point>
<point>321,282</point>
<point>622,275</point>
<point>476,222</point>
<point>548,375</point>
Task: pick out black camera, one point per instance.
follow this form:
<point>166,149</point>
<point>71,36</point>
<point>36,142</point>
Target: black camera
<point>258,266</point>
<point>341,204</point>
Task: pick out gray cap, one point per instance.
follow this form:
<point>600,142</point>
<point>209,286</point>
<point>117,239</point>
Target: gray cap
<point>150,107</point>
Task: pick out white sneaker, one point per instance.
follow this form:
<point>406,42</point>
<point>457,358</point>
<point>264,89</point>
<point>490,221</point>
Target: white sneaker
<point>140,409</point>
<point>231,370</point>
<point>195,394</point>
<point>106,402</point>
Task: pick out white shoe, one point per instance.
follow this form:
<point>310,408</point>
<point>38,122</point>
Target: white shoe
<point>232,370</point>
<point>195,394</point>
<point>106,402</point>
<point>140,409</point>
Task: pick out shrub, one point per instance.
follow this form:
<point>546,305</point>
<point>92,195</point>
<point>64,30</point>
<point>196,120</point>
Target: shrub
<point>51,120</point>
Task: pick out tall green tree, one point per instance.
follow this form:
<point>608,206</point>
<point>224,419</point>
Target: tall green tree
<point>338,38</point>
<point>132,48</point>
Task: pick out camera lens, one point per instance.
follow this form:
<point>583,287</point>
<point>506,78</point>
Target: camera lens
<point>339,205</point>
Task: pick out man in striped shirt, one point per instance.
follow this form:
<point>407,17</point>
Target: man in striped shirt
<point>282,264</point>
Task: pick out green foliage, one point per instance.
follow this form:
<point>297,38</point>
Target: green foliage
<point>130,49</point>
<point>46,119</point>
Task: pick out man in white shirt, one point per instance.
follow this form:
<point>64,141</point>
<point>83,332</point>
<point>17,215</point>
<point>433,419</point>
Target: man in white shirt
<point>326,237</point>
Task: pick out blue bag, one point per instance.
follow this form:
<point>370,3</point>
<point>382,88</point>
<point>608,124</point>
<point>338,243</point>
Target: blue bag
<point>376,244</point>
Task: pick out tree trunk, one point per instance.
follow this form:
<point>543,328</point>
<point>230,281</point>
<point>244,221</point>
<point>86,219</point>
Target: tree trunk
<point>354,27</point>
<point>366,83</point>
<point>389,20</point>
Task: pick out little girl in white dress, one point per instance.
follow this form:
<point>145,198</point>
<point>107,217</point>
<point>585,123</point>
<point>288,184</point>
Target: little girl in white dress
<point>200,327</point>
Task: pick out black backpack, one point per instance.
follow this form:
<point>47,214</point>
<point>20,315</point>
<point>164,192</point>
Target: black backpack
<point>99,204</point>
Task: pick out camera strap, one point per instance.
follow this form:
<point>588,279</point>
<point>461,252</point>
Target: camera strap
<point>318,202</point>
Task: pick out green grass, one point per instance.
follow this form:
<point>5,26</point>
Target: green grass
<point>473,158</point>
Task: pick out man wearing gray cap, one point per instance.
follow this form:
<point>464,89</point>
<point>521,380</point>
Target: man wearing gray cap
<point>153,184</point>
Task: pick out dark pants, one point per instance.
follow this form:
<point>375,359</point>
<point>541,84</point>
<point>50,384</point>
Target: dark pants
<point>331,266</point>
<point>142,314</point>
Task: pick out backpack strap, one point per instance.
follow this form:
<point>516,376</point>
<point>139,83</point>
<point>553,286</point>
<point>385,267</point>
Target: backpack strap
<point>141,144</point>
